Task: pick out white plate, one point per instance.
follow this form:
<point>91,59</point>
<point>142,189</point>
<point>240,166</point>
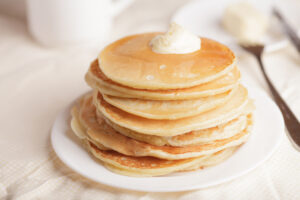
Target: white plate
<point>267,133</point>
<point>203,18</point>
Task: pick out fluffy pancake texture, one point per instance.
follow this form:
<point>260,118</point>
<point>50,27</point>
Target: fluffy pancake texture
<point>160,109</point>
<point>234,107</point>
<point>152,114</point>
<point>101,133</point>
<point>130,61</point>
<point>147,165</point>
<point>191,138</point>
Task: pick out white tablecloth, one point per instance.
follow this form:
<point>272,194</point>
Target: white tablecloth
<point>36,83</point>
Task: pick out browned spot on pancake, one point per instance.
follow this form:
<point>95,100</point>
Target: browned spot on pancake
<point>139,162</point>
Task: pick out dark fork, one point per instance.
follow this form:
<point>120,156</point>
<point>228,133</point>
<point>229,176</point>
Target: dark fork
<point>291,122</point>
<point>288,29</point>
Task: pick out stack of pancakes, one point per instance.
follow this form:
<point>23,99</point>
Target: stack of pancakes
<point>152,114</point>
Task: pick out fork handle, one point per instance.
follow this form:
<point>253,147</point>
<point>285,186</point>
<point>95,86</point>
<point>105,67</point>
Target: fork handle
<point>290,119</point>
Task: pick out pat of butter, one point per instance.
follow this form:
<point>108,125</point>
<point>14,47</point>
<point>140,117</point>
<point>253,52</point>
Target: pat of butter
<point>245,22</point>
<point>176,40</point>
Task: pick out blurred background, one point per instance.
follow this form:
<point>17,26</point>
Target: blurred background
<point>61,23</point>
<point>14,8</point>
<point>137,16</point>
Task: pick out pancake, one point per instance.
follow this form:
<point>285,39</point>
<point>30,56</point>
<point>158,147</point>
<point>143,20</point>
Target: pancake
<point>130,61</point>
<point>141,166</point>
<point>233,108</point>
<point>107,90</point>
<point>149,166</point>
<point>158,109</point>
<point>191,138</point>
<point>76,126</point>
<point>133,168</point>
<point>101,133</point>
<point>213,159</point>
<point>97,80</point>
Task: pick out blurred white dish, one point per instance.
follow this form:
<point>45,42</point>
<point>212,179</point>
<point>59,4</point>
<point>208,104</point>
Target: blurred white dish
<point>69,22</point>
<point>204,18</point>
<point>267,133</point>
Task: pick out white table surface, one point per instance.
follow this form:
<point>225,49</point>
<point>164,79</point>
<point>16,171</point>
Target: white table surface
<point>37,82</point>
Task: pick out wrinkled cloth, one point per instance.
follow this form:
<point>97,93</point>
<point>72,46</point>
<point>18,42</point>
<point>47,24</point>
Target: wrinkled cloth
<point>36,83</point>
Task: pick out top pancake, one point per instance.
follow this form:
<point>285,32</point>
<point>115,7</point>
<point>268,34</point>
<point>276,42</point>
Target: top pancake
<point>130,61</point>
<point>97,80</point>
